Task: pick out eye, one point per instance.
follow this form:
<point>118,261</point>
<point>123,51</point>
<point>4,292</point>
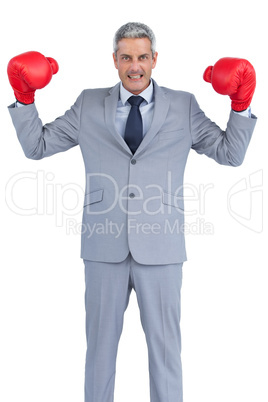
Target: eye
<point>125,58</point>
<point>144,57</point>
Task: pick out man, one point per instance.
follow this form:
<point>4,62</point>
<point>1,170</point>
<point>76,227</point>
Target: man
<point>135,138</point>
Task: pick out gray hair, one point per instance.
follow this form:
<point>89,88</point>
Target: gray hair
<point>134,30</point>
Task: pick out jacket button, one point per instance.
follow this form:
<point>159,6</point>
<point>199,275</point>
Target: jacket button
<point>133,161</point>
<point>131,195</point>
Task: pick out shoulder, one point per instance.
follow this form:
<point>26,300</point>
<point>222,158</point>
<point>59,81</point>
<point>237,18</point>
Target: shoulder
<point>91,97</point>
<point>98,95</point>
<point>173,93</point>
<point>96,92</point>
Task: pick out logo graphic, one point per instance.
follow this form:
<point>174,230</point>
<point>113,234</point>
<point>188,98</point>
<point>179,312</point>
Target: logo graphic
<point>245,201</point>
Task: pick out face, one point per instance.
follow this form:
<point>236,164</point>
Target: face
<point>134,62</point>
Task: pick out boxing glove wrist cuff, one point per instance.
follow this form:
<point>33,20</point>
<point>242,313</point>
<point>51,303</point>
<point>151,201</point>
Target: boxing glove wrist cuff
<point>240,106</point>
<point>25,98</point>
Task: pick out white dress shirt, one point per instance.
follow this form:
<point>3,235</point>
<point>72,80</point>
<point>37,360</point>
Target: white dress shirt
<point>146,109</point>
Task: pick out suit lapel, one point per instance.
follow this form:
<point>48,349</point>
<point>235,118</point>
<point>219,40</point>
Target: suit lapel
<point>110,107</point>
<point>161,106</point>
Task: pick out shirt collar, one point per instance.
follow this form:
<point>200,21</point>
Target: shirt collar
<point>147,94</point>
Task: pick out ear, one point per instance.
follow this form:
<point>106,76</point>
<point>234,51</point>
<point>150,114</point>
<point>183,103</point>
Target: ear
<point>154,60</point>
<point>115,61</point>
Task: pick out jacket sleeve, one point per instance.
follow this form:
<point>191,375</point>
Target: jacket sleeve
<point>225,147</point>
<point>40,141</point>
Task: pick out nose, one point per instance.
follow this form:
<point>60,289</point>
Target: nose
<point>135,65</point>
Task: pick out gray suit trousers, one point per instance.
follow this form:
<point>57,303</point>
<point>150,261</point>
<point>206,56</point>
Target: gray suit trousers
<point>108,287</point>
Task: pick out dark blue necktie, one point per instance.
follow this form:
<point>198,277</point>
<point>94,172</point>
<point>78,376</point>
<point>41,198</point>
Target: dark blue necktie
<point>133,132</point>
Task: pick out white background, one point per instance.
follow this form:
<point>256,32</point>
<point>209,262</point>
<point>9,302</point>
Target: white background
<point>224,296</point>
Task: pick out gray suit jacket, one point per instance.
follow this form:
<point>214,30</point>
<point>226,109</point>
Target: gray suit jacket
<point>134,203</point>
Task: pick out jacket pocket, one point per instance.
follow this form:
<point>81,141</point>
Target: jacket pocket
<point>172,200</point>
<point>93,197</point>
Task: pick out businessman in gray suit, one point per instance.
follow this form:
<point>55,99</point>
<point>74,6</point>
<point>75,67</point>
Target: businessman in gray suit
<point>135,138</point>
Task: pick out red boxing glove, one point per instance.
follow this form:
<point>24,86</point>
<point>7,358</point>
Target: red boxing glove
<point>233,77</point>
<point>30,71</point>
